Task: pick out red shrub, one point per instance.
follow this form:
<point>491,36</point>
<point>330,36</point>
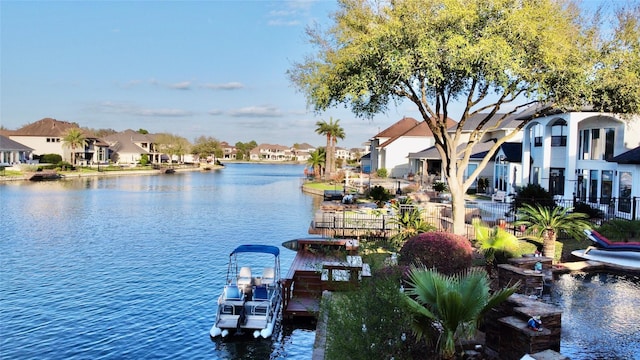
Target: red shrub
<point>448,253</point>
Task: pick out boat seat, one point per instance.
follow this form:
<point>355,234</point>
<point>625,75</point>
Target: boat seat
<point>244,277</point>
<point>268,276</point>
<point>260,293</point>
<point>232,292</point>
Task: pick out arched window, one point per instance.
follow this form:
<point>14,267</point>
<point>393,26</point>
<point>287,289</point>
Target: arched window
<point>559,133</point>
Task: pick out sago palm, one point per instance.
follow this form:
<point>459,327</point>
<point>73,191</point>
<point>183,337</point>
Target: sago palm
<point>410,222</point>
<point>544,222</point>
<point>452,305</point>
<point>490,240</point>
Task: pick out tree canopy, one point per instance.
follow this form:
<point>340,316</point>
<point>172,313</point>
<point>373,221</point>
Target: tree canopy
<point>492,56</point>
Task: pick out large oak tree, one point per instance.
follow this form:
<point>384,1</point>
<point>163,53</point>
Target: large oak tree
<point>491,56</point>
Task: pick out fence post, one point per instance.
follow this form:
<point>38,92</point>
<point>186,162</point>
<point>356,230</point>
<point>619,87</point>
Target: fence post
<point>633,214</point>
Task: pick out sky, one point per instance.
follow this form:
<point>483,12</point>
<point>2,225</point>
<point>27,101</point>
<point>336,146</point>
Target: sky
<point>190,68</point>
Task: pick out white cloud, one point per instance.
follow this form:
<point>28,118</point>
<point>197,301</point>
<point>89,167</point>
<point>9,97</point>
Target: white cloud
<point>130,109</point>
<point>256,111</point>
<point>215,112</point>
<point>184,85</point>
<point>225,86</point>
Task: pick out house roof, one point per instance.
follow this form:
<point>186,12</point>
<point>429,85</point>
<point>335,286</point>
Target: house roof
<point>129,136</point>
<point>419,129</point>
<point>399,128</point>
<point>630,157</point>
<point>46,127</point>
<point>7,144</point>
<point>510,122</point>
<point>513,151</point>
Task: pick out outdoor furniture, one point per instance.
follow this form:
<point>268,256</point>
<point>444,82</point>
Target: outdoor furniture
<point>500,196</point>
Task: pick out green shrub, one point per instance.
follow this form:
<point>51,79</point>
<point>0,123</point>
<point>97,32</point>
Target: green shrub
<point>372,322</point>
<point>50,158</point>
<point>440,186</point>
<point>382,173</point>
<point>447,252</point>
<point>144,159</point>
<point>380,195</point>
<point>533,194</point>
<point>593,213</point>
<point>620,230</point>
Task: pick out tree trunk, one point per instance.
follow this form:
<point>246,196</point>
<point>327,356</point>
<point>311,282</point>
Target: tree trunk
<point>549,244</point>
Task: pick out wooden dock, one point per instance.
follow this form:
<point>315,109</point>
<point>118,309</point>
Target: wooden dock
<point>320,264</point>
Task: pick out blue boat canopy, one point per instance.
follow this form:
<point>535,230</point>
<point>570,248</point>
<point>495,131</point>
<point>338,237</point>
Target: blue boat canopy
<point>273,250</point>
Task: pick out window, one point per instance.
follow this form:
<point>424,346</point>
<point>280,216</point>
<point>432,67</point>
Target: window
<point>609,135</point>
<point>537,135</point>
<point>535,176</point>
<point>556,181</point>
<point>559,133</point>
<point>595,144</point>
<point>581,186</point>
<point>606,188</point>
<point>584,145</point>
<point>626,180</point>
<point>593,186</point>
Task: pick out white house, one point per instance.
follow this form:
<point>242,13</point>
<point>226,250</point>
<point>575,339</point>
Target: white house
<point>427,163</point>
<point>389,148</point>
<point>571,154</point>
<point>12,152</point>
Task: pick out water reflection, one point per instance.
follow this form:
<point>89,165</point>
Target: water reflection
<point>600,318</point>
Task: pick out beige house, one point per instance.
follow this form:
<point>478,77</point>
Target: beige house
<point>45,136</point>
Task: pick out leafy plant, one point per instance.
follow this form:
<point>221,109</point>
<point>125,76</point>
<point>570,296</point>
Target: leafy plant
<point>440,186</point>
<point>544,222</point>
<point>380,195</point>
<point>372,322</point>
<point>382,173</point>
<point>447,252</point>
<point>50,158</point>
<point>491,241</point>
<point>451,304</point>
<point>591,212</point>
<point>620,230</point>
<point>409,218</point>
<point>533,194</point>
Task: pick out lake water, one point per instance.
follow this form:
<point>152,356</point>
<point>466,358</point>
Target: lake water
<point>130,267</point>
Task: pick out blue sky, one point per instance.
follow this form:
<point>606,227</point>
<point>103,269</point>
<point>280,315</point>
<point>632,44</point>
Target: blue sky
<point>191,68</point>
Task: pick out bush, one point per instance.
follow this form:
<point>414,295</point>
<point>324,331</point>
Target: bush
<point>592,213</point>
<point>380,195</point>
<point>50,158</point>
<point>373,322</point>
<point>533,194</point>
<point>440,186</point>
<point>381,173</point>
<point>620,230</point>
<point>448,253</point>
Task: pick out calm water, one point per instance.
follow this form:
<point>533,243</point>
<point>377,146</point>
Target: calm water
<point>131,266</point>
<point>601,318</point>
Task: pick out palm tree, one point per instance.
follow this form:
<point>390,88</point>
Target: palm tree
<point>544,222</point>
<point>74,139</point>
<point>451,305</point>
<point>337,132</point>
<point>330,129</point>
<point>323,128</point>
<point>316,160</point>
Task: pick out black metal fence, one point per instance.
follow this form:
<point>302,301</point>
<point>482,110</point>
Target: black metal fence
<point>380,222</point>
